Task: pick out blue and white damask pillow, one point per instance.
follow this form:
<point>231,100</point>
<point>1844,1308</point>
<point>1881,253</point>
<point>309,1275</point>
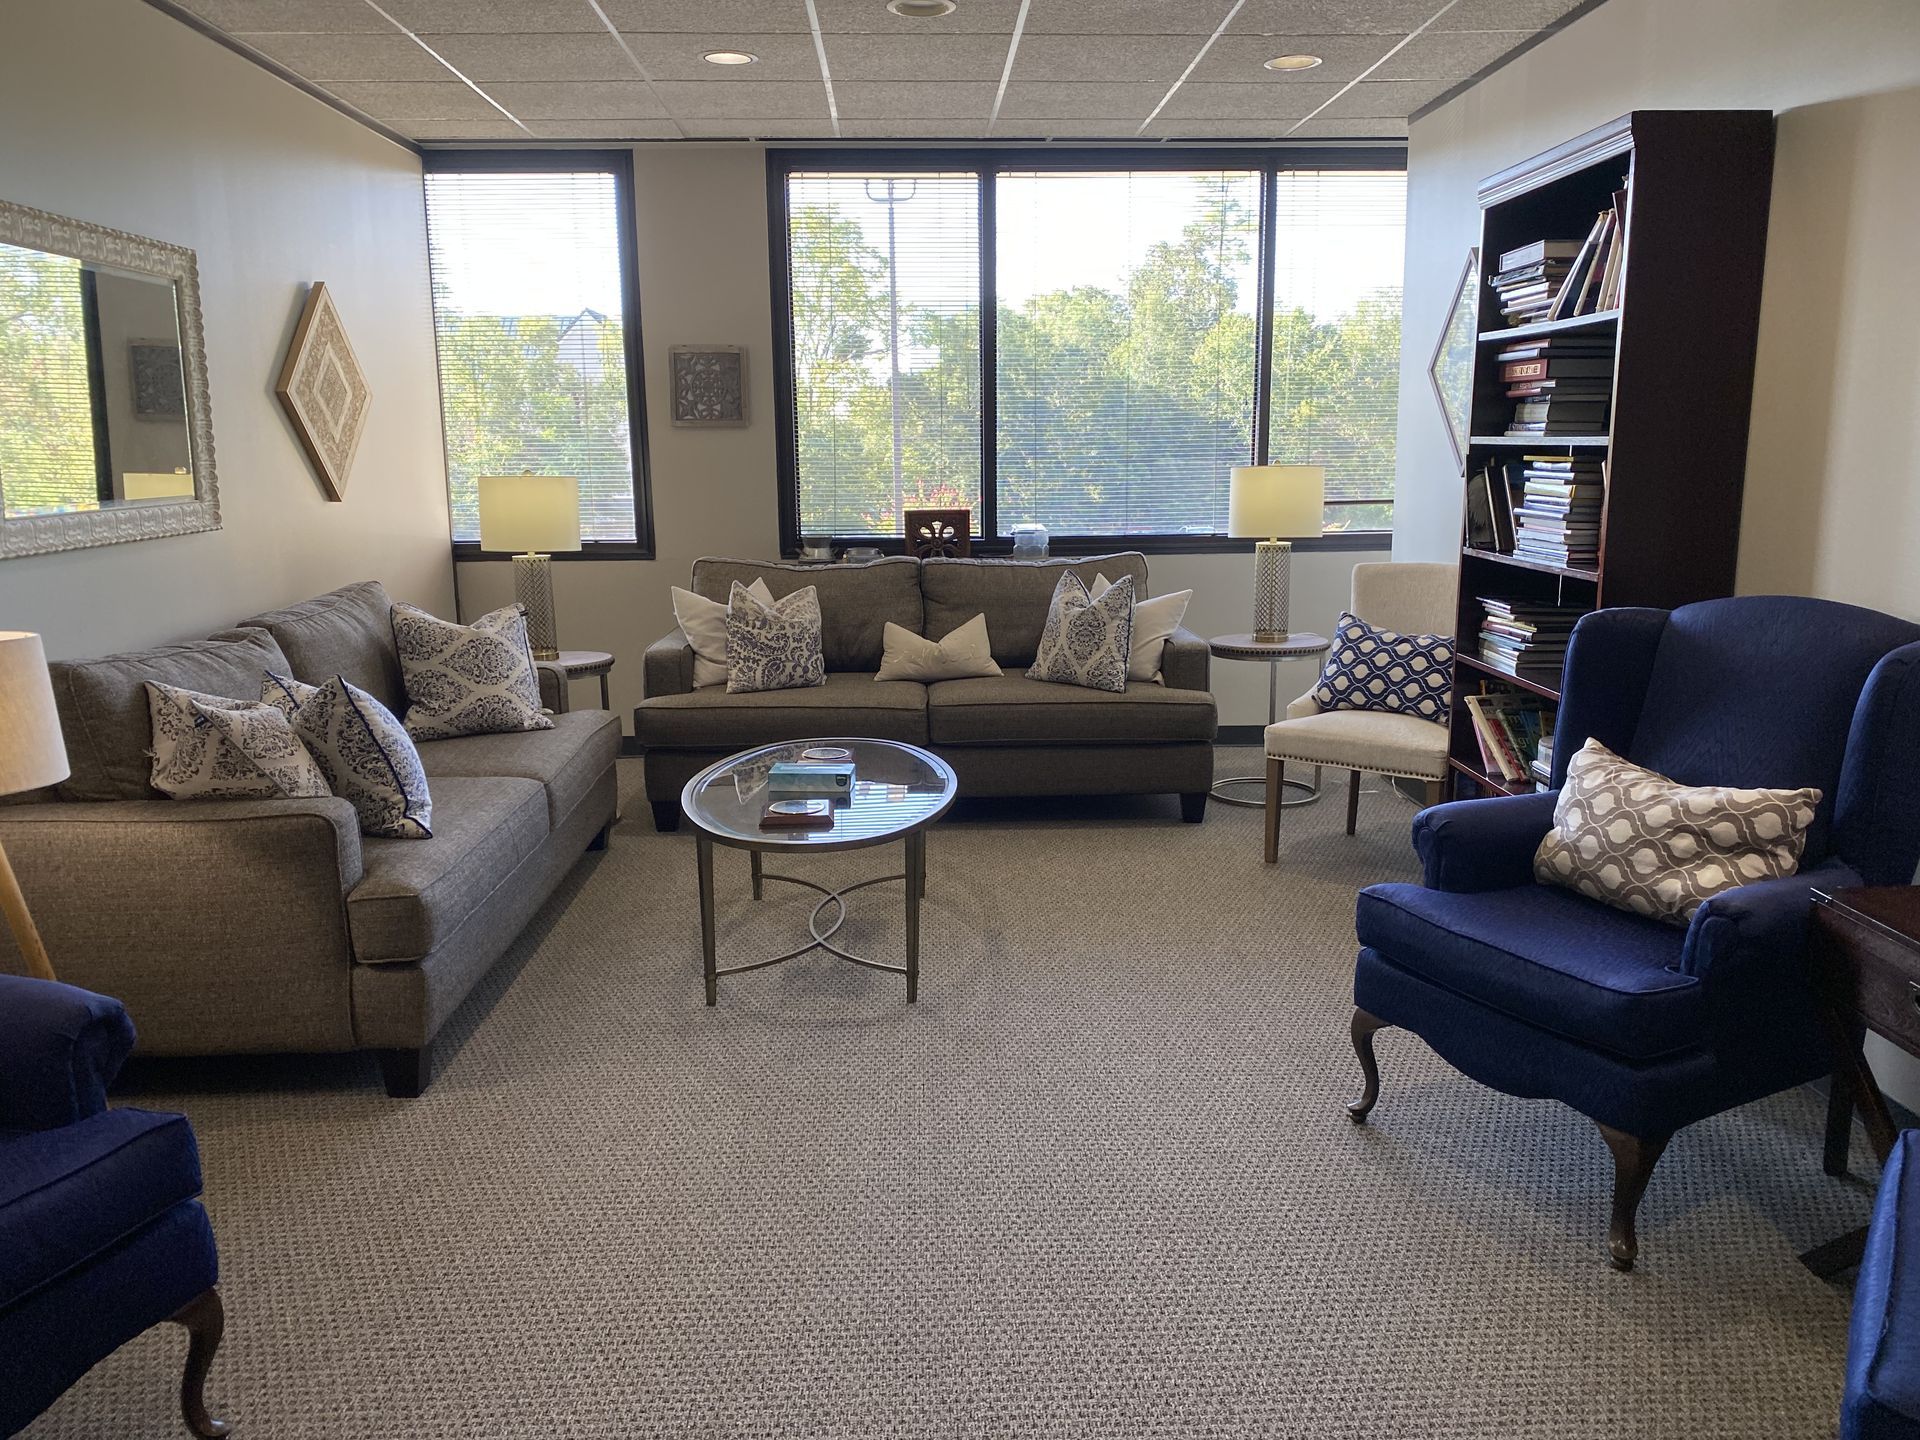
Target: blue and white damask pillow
<point>1088,640</point>
<point>1374,669</point>
<point>207,747</point>
<point>366,754</point>
<point>774,647</point>
<point>476,679</point>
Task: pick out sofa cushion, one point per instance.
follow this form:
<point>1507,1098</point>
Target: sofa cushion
<point>1011,709</point>
<point>1376,740</point>
<point>856,601</point>
<point>1883,1346</point>
<point>415,893</point>
<point>68,1194</point>
<point>1547,957</point>
<point>347,632</point>
<point>567,759</point>
<point>1013,595</point>
<point>103,705</point>
<point>850,703</point>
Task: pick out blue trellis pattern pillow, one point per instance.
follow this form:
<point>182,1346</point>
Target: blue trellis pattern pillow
<point>774,647</point>
<point>366,754</point>
<point>476,679</point>
<point>1088,641</point>
<point>1373,669</point>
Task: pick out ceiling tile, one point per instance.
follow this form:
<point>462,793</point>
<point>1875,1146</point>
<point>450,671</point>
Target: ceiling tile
<point>494,129</point>
<point>914,127</point>
<point>609,129</point>
<point>1249,102</point>
<point>1243,58</point>
<point>1198,18</point>
<point>496,17</point>
<point>1393,98</point>
<point>1333,17</point>
<point>677,56</point>
<point>395,103</point>
<point>709,128</point>
<point>534,57</point>
<point>323,58</point>
<point>588,100</point>
<point>1360,129</point>
<point>1066,129</point>
<point>974,17</point>
<point>1245,129</point>
<point>740,17</point>
<point>1450,56</point>
<point>877,101</point>
<point>1531,15</point>
<point>770,99</point>
<point>320,16</point>
<point>1152,59</point>
<point>1087,102</point>
<point>916,57</point>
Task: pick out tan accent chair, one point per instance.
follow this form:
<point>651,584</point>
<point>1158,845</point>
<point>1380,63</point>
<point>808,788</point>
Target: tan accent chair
<point>1412,599</point>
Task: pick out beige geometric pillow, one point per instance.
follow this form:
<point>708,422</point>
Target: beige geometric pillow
<point>1631,838</point>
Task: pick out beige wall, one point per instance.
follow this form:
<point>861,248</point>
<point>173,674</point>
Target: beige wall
<point>116,114</point>
<point>1833,472</point>
<point>704,278</point>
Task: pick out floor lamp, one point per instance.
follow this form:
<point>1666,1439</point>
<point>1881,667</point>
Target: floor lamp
<point>32,755</point>
<point>528,515</point>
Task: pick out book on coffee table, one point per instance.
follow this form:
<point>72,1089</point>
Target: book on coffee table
<point>797,815</point>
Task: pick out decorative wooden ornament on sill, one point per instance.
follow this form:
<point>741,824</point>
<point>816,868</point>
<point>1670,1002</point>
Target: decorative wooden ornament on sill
<point>940,533</point>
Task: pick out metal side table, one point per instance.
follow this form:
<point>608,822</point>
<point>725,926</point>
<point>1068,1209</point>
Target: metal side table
<point>1244,647</point>
<point>582,664</point>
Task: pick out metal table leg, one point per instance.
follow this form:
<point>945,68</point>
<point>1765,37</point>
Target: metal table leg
<point>1222,789</point>
<point>916,886</point>
<point>703,851</point>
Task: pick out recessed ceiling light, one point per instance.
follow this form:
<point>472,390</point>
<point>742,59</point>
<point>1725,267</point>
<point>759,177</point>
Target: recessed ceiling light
<point>1293,62</point>
<point>921,9</point>
<point>729,57</point>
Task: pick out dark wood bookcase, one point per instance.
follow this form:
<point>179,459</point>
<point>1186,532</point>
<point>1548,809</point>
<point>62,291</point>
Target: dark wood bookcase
<point>1683,338</point>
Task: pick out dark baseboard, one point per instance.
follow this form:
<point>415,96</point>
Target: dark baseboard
<point>1240,735</point>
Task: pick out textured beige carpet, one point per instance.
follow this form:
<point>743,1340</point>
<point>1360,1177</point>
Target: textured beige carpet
<point>1097,1183</point>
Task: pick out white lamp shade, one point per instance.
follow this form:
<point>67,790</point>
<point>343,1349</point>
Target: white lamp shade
<point>529,514</point>
<point>32,754</point>
<point>1271,501</point>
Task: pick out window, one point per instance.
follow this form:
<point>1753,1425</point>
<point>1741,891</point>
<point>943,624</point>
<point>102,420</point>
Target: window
<point>535,316</point>
<point>1091,340</point>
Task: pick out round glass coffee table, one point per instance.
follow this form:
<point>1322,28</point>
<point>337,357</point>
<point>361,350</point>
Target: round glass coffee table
<point>898,791</point>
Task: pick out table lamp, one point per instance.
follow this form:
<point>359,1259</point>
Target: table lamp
<point>1265,502</point>
<point>32,755</point>
<point>529,516</point>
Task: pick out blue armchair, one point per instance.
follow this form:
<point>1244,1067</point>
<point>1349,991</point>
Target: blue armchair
<point>1640,1026</point>
<point>101,1233</point>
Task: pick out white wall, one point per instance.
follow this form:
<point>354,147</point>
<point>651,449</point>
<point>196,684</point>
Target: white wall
<point>705,278</point>
<point>116,114</point>
<point>1832,502</point>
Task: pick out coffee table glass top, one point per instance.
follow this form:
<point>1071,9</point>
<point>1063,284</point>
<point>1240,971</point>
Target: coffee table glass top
<point>897,789</point>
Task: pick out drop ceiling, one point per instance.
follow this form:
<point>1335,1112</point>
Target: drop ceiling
<point>534,71</point>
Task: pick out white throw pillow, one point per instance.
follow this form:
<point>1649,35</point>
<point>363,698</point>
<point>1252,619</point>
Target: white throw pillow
<point>1154,622</point>
<point>476,679</point>
<point>207,747</point>
<point>367,756</point>
<point>704,623</point>
<point>776,646</point>
<point>964,654</point>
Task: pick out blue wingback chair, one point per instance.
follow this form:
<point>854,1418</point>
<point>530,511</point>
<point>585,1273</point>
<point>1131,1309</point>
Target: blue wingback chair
<point>1882,1399</point>
<point>101,1233</point>
<point>1641,1026</point>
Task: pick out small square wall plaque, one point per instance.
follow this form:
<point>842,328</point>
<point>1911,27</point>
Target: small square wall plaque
<point>709,384</point>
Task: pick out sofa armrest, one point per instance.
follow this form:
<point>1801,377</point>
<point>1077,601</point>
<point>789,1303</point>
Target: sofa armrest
<point>1470,845</point>
<point>1301,708</point>
<point>1761,924</point>
<point>667,667</point>
<point>1186,661</point>
<point>60,1048</point>
<point>555,692</point>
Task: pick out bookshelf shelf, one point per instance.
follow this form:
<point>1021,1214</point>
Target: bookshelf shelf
<point>1685,194</point>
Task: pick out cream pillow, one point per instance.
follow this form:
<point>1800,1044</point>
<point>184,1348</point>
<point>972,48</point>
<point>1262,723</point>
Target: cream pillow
<point>1154,622</point>
<point>1631,838</point>
<point>964,654</point>
<point>704,623</point>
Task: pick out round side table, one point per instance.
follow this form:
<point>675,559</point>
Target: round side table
<point>579,664</point>
<point>1244,647</point>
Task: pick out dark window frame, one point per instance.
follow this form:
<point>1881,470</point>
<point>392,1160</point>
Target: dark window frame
<point>618,164</point>
<point>989,162</point>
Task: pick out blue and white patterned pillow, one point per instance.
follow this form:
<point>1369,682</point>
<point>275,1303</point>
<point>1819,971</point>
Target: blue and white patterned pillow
<point>1373,669</point>
<point>476,679</point>
<point>206,746</point>
<point>366,754</point>
<point>1089,639</point>
<point>774,647</point>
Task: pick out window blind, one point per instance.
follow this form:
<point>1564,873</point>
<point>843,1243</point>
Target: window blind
<point>46,400</point>
<point>885,295</point>
<point>529,315</point>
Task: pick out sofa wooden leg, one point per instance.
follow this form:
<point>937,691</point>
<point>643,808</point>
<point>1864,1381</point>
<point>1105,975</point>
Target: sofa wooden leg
<point>1193,806</point>
<point>666,816</point>
<point>1353,801</point>
<point>1363,1027</point>
<point>1276,790</point>
<point>601,836</point>
<point>408,1073</point>
<point>1634,1157</point>
<point>205,1321</point>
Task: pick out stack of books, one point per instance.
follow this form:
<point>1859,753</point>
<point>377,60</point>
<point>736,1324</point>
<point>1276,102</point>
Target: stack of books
<point>1509,728</point>
<point>1558,518</point>
<point>1561,385</point>
<point>1531,278</point>
<point>1542,767</point>
<point>1526,639</point>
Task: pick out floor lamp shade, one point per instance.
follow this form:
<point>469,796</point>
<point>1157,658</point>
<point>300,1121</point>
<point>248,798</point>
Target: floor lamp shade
<point>32,754</point>
<point>1265,502</point>
<point>531,516</point>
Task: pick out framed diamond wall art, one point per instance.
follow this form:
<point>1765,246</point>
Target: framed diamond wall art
<point>709,384</point>
<point>1451,369</point>
<point>325,391</point>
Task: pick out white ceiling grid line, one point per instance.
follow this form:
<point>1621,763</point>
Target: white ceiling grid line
<point>1006,71</point>
<point>450,68</point>
<point>826,75</point>
<point>1406,41</point>
<point>645,78</point>
<point>1194,64</point>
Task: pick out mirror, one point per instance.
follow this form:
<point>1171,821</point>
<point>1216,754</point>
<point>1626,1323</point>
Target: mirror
<point>105,430</point>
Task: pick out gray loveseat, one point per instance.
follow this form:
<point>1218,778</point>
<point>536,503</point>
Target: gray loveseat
<point>1003,736</point>
<point>254,926</point>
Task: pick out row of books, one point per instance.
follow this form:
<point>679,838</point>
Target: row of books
<point>1509,728</point>
<point>1560,385</point>
<point>1558,518</point>
<point>1558,279</point>
<point>1525,638</point>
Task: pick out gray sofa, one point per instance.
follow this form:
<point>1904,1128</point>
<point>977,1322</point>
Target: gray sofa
<point>251,926</point>
<point>1003,736</point>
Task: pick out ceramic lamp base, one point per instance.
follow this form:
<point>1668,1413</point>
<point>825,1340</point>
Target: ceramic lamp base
<point>1272,564</point>
<point>533,588</point>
